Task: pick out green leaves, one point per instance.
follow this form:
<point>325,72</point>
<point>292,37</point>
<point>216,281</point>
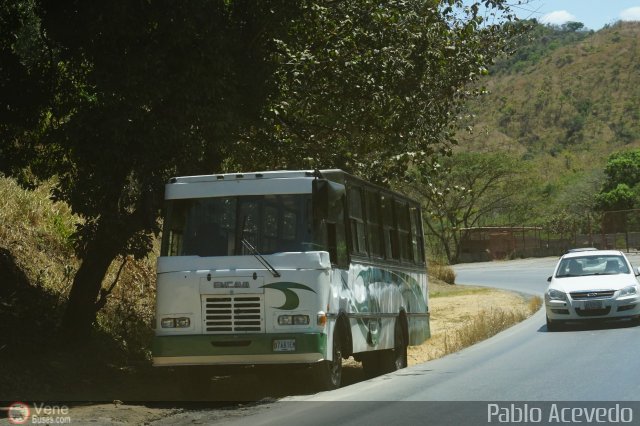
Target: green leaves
<point>622,167</point>
<point>619,198</point>
<point>370,87</point>
<point>621,189</point>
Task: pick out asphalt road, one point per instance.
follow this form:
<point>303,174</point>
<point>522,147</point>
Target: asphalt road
<point>526,364</point>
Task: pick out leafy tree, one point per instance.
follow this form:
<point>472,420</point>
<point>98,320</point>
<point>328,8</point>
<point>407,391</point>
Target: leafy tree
<point>131,93</point>
<point>619,198</point>
<point>621,189</point>
<point>142,91</point>
<point>25,89</point>
<point>467,189</point>
<point>622,167</point>
<point>572,26</point>
<point>371,87</point>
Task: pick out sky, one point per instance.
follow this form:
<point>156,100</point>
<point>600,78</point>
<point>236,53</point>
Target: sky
<point>594,14</point>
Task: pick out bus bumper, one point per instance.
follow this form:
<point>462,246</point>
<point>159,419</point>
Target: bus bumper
<point>244,349</point>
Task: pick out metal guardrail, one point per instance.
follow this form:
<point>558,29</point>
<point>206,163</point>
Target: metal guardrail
<point>610,230</point>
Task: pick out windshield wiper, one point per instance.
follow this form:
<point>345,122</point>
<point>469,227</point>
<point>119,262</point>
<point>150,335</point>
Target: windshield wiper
<point>260,258</point>
<point>255,252</point>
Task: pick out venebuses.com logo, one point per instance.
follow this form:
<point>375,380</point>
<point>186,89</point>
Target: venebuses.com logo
<point>20,413</point>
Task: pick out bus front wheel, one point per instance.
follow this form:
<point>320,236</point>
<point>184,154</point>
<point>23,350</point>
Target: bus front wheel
<point>328,374</point>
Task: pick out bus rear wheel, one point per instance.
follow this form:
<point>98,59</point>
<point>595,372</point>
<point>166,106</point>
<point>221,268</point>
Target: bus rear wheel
<point>396,358</point>
<point>399,347</point>
<point>387,360</point>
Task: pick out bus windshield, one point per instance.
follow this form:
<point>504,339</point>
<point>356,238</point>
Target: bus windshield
<point>216,226</point>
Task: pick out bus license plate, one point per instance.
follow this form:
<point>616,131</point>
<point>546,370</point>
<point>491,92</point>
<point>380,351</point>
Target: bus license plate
<point>284,345</point>
<point>593,304</point>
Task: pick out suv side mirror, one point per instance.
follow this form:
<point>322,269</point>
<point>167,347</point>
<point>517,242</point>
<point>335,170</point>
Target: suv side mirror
<point>549,279</point>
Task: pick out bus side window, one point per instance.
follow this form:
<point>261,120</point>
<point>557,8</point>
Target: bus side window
<point>390,233</point>
<point>404,227</point>
<point>417,239</point>
<point>356,222</point>
<point>374,224</point>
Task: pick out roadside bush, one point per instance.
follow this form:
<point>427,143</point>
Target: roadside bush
<point>442,272</point>
<point>130,308</point>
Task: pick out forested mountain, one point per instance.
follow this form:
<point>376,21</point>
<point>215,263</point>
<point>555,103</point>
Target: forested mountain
<point>564,102</point>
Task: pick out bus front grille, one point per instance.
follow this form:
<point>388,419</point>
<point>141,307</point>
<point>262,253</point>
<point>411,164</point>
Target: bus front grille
<point>240,313</point>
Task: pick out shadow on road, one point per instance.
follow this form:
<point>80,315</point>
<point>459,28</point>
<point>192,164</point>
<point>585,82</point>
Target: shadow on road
<point>590,325</point>
<point>252,385</point>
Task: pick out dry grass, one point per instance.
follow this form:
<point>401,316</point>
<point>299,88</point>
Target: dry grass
<point>38,233</point>
<point>483,326</point>
<point>488,323</point>
<point>466,315</point>
<point>535,303</point>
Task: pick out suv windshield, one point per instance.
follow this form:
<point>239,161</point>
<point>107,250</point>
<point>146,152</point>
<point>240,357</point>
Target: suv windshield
<point>592,265</point>
<point>216,226</point>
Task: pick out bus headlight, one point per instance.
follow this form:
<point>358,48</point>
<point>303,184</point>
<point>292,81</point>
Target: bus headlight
<point>293,320</point>
<point>285,320</point>
<point>301,319</point>
<point>182,322</point>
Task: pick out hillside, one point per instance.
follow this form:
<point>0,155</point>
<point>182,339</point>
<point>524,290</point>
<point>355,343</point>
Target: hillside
<point>566,108</point>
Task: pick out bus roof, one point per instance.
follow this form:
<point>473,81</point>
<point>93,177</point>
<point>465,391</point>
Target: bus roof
<point>279,174</point>
<point>192,186</point>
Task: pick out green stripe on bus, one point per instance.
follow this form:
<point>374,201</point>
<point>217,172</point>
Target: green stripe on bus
<point>240,344</point>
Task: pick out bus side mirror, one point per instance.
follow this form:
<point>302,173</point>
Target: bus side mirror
<point>320,199</point>
<point>324,194</point>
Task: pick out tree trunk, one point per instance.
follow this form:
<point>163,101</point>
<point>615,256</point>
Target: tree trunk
<point>81,310</point>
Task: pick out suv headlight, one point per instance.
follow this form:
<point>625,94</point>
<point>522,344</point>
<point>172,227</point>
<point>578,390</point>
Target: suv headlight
<point>627,291</point>
<point>553,294</point>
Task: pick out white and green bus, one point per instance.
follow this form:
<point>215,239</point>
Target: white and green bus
<point>290,267</point>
